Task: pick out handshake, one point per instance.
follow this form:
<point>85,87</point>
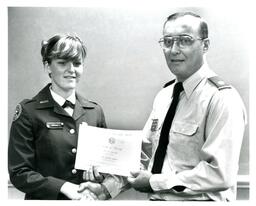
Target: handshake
<point>92,189</point>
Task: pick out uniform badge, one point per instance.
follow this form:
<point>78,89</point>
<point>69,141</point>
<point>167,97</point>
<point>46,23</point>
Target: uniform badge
<point>44,101</point>
<point>154,125</point>
<point>17,113</point>
<point>54,125</point>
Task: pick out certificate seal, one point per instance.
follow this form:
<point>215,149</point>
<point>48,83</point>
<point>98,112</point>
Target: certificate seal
<point>112,140</point>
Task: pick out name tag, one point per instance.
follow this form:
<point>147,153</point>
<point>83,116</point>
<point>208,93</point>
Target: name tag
<point>54,125</point>
<point>154,125</point>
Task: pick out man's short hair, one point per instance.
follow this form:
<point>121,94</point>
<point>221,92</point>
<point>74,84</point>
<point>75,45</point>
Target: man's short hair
<point>203,27</point>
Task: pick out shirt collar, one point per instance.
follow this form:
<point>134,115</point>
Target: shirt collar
<point>60,100</point>
<point>191,83</point>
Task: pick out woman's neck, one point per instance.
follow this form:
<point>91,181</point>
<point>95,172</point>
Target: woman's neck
<point>64,93</point>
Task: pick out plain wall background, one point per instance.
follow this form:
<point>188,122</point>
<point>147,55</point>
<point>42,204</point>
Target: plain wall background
<point>125,66</point>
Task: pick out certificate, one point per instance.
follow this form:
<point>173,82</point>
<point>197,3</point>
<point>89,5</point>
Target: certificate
<point>112,151</point>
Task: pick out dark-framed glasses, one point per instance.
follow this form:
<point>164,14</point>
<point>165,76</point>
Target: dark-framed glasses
<point>183,41</point>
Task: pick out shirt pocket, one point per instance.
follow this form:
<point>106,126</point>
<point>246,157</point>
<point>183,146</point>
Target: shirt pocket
<point>185,143</point>
<point>182,128</point>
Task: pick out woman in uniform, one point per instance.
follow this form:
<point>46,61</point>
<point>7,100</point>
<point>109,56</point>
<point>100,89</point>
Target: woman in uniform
<point>44,131</point>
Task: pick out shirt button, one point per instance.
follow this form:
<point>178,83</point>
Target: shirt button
<point>71,131</point>
<point>74,150</point>
<point>74,171</point>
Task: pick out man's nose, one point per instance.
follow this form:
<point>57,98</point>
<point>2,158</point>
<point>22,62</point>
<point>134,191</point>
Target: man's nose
<point>175,49</point>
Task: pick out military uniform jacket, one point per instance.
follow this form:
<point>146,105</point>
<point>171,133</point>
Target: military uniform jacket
<point>43,142</point>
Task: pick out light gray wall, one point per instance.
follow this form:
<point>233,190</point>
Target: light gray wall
<point>125,67</point>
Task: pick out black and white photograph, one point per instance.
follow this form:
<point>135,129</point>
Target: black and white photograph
<point>127,101</point>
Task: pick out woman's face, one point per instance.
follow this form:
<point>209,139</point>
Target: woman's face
<point>65,74</point>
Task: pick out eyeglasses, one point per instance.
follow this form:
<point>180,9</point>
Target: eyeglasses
<point>183,41</point>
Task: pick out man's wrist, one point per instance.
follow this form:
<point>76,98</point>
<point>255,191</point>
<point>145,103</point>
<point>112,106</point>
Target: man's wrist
<point>105,192</point>
<point>150,183</point>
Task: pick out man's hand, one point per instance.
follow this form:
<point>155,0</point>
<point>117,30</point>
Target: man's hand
<point>97,189</point>
<point>140,181</point>
<point>88,195</point>
<point>93,175</point>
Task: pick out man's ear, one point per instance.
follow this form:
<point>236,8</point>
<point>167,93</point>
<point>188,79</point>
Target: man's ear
<point>206,45</point>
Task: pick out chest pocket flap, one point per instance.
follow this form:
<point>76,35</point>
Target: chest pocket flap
<point>188,129</point>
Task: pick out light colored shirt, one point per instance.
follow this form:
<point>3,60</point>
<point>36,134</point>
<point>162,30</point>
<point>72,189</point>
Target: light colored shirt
<point>204,141</point>
<point>60,100</point>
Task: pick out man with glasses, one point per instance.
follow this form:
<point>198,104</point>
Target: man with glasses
<point>194,134</point>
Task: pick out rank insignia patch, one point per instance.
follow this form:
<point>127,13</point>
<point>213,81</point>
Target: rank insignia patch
<point>154,125</point>
<point>17,113</point>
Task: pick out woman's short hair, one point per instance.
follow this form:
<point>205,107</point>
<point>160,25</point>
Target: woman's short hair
<point>63,46</point>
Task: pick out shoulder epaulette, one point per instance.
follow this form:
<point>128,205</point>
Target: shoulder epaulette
<point>25,101</point>
<point>169,83</point>
<point>219,83</point>
<point>92,102</point>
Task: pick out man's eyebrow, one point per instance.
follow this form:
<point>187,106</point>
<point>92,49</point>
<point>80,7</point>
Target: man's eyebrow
<point>176,35</point>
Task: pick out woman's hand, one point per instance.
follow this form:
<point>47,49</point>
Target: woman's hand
<point>71,191</point>
<point>99,191</point>
<point>93,175</point>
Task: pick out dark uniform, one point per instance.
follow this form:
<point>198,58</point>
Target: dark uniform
<point>43,142</point>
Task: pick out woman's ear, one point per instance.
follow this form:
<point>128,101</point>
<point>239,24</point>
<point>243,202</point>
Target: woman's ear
<point>47,68</point>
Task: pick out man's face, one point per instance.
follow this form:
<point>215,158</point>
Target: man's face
<point>184,61</point>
